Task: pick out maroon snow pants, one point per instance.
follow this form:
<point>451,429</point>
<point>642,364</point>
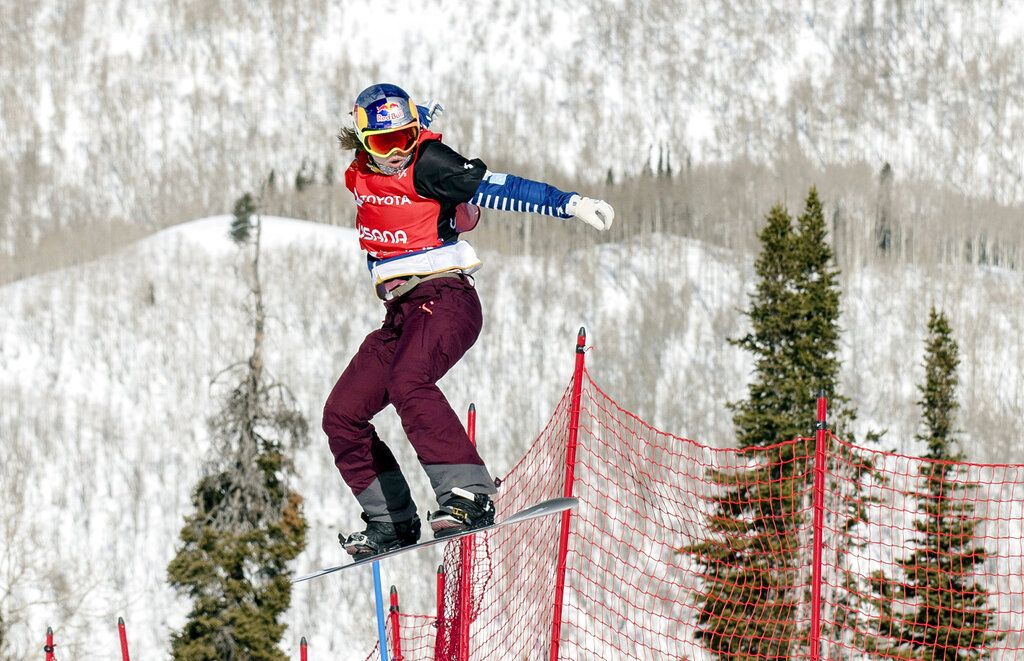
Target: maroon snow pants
<point>424,334</point>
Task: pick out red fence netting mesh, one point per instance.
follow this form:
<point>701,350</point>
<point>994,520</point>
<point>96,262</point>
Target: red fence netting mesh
<point>653,571</point>
<point>936,568</point>
<point>417,634</point>
<point>513,574</point>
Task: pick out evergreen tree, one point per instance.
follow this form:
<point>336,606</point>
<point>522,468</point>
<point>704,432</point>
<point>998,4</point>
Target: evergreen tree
<point>242,219</point>
<point>306,176</point>
<point>949,618</point>
<point>247,524</point>
<point>883,212</point>
<point>817,288</point>
<point>664,161</point>
<point>771,412</point>
<point>752,566</point>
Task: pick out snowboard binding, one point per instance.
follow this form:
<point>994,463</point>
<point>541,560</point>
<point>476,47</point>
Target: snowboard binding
<point>463,511</point>
<point>381,537</point>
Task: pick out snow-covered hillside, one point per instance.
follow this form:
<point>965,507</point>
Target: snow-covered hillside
<point>105,374</point>
<point>117,109</point>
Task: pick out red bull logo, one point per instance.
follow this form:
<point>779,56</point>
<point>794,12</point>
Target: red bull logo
<point>390,112</point>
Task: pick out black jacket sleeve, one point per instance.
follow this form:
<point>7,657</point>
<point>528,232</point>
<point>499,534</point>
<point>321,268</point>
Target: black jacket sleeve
<point>442,174</point>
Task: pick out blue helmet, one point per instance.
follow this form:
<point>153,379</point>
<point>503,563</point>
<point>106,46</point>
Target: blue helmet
<point>383,109</point>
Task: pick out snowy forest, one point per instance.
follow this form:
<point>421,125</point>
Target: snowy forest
<point>131,129</point>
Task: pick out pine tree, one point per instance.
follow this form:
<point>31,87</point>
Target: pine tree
<point>247,524</point>
<point>242,219</point>
<point>883,213</point>
<point>306,176</point>
<point>767,415</point>
<point>753,569</point>
<point>949,618</point>
<point>817,287</point>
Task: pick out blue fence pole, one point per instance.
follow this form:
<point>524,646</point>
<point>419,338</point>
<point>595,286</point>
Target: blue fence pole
<point>378,595</point>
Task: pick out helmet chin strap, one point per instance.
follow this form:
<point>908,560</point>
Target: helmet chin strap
<point>388,169</point>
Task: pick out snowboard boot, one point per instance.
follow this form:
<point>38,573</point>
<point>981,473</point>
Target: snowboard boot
<point>380,537</point>
<point>463,511</point>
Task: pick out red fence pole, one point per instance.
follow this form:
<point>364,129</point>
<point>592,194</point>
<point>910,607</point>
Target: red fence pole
<point>441,645</point>
<point>466,549</point>
<point>570,477</point>
<point>303,654</point>
<point>124,639</point>
<point>49,645</point>
<point>395,632</point>
<point>820,441</point>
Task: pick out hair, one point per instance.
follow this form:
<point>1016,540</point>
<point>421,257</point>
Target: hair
<point>347,139</point>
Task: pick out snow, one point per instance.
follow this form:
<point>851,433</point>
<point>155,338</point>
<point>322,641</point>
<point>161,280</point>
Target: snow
<point>213,235</point>
<point>1011,31</point>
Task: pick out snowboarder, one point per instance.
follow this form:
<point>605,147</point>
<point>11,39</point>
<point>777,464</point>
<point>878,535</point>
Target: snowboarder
<point>414,196</point>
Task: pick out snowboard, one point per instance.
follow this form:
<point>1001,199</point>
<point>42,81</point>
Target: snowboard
<point>544,508</point>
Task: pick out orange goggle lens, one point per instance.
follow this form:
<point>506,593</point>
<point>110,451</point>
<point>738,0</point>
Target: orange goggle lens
<point>401,141</point>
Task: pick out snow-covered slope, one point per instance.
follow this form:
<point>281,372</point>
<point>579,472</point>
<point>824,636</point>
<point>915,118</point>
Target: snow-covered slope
<point>105,375</point>
<point>130,109</point>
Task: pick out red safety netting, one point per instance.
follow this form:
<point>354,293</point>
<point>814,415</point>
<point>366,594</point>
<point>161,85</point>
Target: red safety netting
<point>416,633</point>
<point>513,574</point>
<point>513,569</point>
<point>684,551</point>
<point>935,568</point>
<point>646,495</point>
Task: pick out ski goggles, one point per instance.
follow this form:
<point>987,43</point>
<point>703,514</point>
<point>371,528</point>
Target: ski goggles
<point>386,144</point>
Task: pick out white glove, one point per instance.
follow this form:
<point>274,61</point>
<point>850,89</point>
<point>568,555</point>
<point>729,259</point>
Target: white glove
<point>596,213</point>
